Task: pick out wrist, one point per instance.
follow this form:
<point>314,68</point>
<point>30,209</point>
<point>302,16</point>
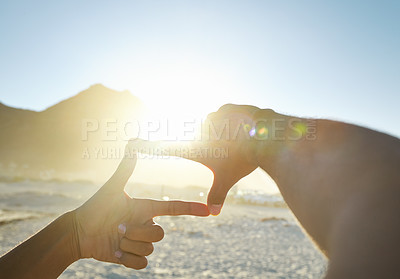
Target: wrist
<point>266,135</point>
<point>276,134</point>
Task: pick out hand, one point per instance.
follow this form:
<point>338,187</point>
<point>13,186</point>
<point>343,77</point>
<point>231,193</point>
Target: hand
<point>113,227</point>
<point>227,129</point>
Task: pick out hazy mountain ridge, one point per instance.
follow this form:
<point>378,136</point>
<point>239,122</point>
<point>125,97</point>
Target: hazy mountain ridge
<point>50,143</point>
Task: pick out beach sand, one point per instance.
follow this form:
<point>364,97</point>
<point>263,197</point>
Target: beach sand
<point>244,241</point>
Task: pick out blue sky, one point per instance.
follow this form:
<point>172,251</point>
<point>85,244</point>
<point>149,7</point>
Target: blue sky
<point>337,59</point>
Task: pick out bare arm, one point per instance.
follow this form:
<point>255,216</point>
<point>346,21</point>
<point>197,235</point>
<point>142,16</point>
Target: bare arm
<point>341,181</point>
<point>343,185</point>
<point>110,227</point>
<point>54,248</point>
<point>320,174</point>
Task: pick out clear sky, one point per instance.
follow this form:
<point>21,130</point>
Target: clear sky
<point>336,59</point>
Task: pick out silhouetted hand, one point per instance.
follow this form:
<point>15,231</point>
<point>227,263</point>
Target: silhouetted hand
<point>113,227</point>
<point>225,147</point>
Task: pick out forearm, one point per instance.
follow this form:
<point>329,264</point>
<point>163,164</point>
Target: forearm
<point>320,173</point>
<point>46,254</point>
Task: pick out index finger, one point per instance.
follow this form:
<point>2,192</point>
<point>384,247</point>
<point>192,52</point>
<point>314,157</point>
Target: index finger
<point>175,208</point>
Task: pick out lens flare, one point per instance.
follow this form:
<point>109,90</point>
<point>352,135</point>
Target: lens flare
<point>247,128</point>
<point>252,132</point>
<point>300,128</point>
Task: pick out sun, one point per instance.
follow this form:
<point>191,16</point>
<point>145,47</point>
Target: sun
<point>182,94</point>
<point>179,88</point>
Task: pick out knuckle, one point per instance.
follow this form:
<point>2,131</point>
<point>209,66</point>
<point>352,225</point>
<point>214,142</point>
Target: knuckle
<point>225,107</point>
<point>269,111</point>
<point>211,115</point>
<point>123,244</point>
<point>131,231</point>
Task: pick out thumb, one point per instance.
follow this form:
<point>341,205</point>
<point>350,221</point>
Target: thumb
<point>217,194</point>
<point>124,171</point>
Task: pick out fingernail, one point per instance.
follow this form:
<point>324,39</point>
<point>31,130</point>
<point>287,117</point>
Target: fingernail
<point>118,254</point>
<point>122,228</point>
<point>215,209</point>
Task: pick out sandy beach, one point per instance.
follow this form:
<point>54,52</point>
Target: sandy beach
<point>244,241</point>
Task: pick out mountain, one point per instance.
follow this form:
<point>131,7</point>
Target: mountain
<point>77,138</point>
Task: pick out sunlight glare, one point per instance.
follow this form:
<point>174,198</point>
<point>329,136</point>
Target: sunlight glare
<point>178,97</point>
